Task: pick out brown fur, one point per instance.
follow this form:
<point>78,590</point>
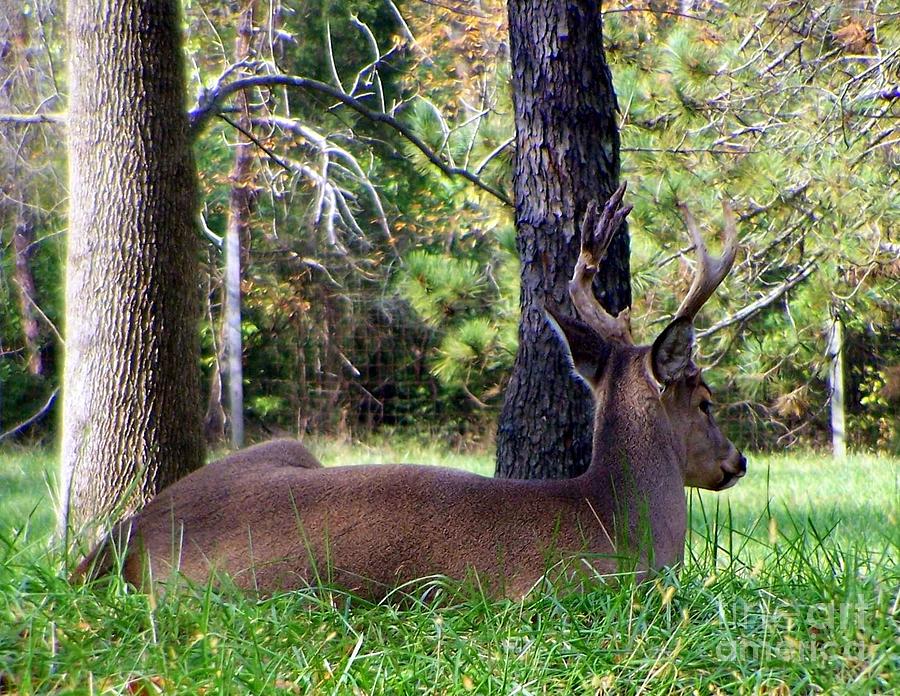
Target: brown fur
<point>196,488</point>
<point>272,524</point>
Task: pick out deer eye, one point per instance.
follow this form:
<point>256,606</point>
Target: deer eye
<point>706,406</point>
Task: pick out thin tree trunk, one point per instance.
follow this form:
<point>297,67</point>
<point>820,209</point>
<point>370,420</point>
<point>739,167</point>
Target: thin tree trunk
<point>836,383</point>
<point>567,154</point>
<point>239,204</point>
<point>131,408</point>
<point>23,237</point>
<point>214,419</point>
<point>16,85</point>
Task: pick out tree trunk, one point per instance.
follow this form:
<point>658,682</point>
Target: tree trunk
<point>567,154</point>
<point>16,86</point>
<point>214,420</point>
<point>836,383</point>
<point>131,410</point>
<point>239,202</point>
<point>23,237</point>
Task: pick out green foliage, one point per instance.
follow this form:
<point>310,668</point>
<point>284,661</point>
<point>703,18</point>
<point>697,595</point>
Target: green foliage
<point>441,289</point>
<point>467,303</point>
<point>324,349</point>
<point>21,393</point>
<point>769,108</point>
<point>389,295</point>
<point>32,174</point>
<point>776,109</point>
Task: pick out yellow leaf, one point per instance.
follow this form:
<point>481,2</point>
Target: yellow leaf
<point>854,37</point>
<point>667,595</point>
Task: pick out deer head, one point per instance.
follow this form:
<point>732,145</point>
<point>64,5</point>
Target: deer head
<point>669,385</point>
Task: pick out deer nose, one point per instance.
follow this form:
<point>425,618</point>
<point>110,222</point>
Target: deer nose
<point>742,465</point>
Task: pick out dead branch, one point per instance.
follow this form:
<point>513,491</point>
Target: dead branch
<point>47,321</point>
<point>750,310</point>
<point>30,119</point>
<point>326,146</point>
<point>15,430</point>
<point>494,153</point>
<point>211,101</point>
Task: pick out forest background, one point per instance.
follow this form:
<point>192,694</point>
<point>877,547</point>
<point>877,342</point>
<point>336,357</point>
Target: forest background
<point>379,274</point>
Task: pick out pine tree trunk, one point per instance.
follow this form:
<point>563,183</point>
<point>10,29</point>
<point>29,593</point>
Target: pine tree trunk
<point>131,409</point>
<point>239,202</point>
<point>567,154</point>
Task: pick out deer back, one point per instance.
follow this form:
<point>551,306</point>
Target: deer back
<point>368,529</point>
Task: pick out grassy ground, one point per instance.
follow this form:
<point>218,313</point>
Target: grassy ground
<point>791,586</point>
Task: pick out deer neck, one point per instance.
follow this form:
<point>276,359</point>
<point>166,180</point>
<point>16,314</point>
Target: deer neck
<point>636,464</point>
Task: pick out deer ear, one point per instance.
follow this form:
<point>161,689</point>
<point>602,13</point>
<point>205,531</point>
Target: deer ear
<point>671,352</point>
<point>587,351</point>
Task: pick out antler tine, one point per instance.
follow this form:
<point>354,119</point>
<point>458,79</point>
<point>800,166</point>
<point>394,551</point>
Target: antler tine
<point>596,235</point>
<point>711,271</point>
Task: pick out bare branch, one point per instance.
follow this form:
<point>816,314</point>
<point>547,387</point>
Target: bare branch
<point>212,100</point>
<point>494,153</point>
<point>888,93</point>
<point>330,201</point>
<point>750,310</point>
<point>47,321</point>
<point>28,119</point>
<point>15,430</point>
<point>407,33</point>
<point>456,10</point>
<point>796,46</point>
<point>325,145</point>
<point>208,233</point>
<point>657,11</point>
<point>781,197</point>
<point>275,158</point>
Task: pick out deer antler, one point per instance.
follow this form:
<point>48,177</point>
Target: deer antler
<point>711,271</point>
<point>596,235</point>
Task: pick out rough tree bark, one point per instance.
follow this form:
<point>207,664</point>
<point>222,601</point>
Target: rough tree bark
<point>239,206</point>
<point>567,154</point>
<point>131,408</point>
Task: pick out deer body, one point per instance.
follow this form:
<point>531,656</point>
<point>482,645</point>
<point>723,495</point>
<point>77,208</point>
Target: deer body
<point>372,528</point>
<point>276,525</point>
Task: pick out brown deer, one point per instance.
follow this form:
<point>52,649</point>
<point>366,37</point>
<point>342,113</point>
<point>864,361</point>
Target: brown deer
<point>272,525</point>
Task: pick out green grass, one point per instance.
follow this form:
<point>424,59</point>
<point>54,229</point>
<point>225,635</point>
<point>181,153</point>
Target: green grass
<point>791,586</point>
<point>27,483</point>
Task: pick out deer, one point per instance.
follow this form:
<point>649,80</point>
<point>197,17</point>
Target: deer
<point>272,525</point>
